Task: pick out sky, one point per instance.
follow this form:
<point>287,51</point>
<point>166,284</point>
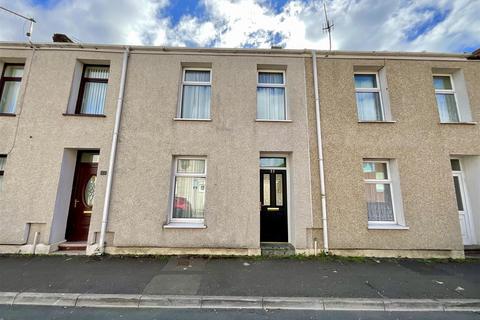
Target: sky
<point>393,25</point>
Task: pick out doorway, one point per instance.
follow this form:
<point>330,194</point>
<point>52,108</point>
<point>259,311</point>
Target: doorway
<point>83,195</point>
<point>273,200</point>
<point>463,206</point>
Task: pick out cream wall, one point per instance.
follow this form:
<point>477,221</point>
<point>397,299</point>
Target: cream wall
<point>232,143</point>
<point>36,138</point>
<point>419,143</point>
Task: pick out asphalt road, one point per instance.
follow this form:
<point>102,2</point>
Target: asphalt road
<point>47,313</point>
<point>367,278</point>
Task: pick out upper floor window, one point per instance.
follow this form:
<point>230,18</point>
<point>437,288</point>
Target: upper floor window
<point>271,102</point>
<point>3,160</point>
<point>190,176</point>
<point>368,95</point>
<point>196,93</point>
<point>10,87</point>
<point>446,98</point>
<point>93,90</point>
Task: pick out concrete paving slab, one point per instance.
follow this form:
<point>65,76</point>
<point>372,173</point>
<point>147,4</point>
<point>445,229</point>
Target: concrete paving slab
<point>232,302</point>
<point>305,303</point>
<point>413,305</point>
<point>354,304</point>
<point>472,305</point>
<point>108,300</point>
<point>152,301</point>
<point>7,297</point>
<point>46,299</point>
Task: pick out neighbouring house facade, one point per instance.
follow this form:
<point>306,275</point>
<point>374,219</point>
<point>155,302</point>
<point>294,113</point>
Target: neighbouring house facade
<point>154,150</point>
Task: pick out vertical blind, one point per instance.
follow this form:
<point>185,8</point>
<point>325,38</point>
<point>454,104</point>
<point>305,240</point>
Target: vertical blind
<point>271,96</point>
<point>196,95</point>
<point>95,90</point>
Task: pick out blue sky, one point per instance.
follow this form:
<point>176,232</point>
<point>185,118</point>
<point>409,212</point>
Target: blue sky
<point>405,25</point>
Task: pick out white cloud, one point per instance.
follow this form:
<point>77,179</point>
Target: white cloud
<point>445,25</point>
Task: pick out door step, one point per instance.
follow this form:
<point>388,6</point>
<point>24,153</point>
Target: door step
<point>73,246</point>
<point>472,251</point>
<point>277,249</point>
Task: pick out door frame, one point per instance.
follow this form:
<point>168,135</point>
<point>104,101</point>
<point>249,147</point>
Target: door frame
<point>466,203</point>
<point>288,186</point>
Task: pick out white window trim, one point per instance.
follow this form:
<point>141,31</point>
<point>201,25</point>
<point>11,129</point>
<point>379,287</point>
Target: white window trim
<point>383,181</point>
<point>274,85</point>
<point>447,91</point>
<point>378,90</point>
<point>187,222</point>
<point>193,83</point>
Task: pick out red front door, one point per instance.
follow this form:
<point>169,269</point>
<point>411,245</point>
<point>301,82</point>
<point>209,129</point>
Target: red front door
<point>81,204</point>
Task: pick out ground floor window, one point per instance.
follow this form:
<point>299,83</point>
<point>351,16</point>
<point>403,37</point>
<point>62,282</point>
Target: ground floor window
<point>3,160</point>
<point>189,187</point>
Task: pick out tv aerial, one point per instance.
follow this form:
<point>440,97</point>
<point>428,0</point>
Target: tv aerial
<point>32,21</point>
<point>328,26</point>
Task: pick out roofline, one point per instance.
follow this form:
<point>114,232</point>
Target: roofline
<point>320,53</point>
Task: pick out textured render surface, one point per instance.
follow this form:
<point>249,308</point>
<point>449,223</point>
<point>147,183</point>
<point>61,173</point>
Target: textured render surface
<point>35,155</point>
<point>421,145</point>
<point>232,143</point>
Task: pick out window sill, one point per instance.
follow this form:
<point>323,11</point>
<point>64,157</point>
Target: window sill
<point>5,114</point>
<point>373,121</point>
<point>84,115</point>
<point>460,123</point>
<point>183,225</point>
<point>268,120</point>
<point>187,119</point>
<point>387,227</point>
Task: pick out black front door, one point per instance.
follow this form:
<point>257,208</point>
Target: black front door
<point>273,206</point>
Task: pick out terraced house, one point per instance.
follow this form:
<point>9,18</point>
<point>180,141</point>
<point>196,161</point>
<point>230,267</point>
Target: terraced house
<point>155,150</point>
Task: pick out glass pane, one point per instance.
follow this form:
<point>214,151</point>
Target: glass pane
<point>458,193</point>
<point>273,162</point>
<point>197,76</point>
<point>365,81</point>
<point>447,107</point>
<point>455,164</point>
<point>191,166</point>
<point>379,202</point>
<point>375,170</point>
<point>270,78</point>
<point>89,157</point>
<point>266,189</point>
<point>97,72</point>
<point>279,189</point>
<point>3,160</point>
<point>90,191</point>
<point>94,98</point>
<point>189,201</point>
<point>9,96</point>
<point>14,71</point>
<point>369,106</point>
<point>442,83</point>
<point>196,102</point>
<point>271,103</point>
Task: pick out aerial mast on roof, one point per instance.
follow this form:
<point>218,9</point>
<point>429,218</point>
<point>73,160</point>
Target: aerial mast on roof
<point>328,26</point>
<point>32,21</point>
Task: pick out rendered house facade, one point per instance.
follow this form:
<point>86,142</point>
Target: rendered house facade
<point>217,151</point>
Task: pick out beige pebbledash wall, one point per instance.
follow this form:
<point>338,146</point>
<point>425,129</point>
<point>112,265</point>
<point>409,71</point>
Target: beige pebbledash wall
<point>416,140</point>
<point>232,143</point>
<point>37,138</point>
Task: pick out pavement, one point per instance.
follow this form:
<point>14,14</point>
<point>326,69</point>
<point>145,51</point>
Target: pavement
<point>253,283</point>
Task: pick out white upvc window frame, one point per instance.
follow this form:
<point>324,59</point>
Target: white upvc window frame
<point>187,221</point>
<point>447,91</point>
<point>194,83</point>
<point>388,181</point>
<point>274,85</point>
<point>378,90</point>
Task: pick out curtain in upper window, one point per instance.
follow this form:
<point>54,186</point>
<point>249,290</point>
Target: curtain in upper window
<point>271,96</point>
<point>445,96</point>
<point>196,94</point>
<point>369,106</point>
<point>10,87</point>
<point>94,86</point>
